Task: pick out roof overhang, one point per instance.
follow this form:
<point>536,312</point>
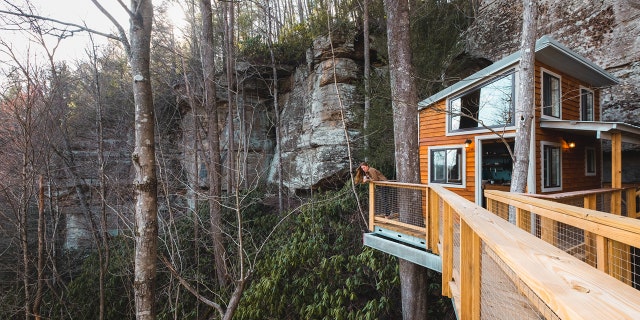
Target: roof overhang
<point>601,130</point>
<point>549,52</point>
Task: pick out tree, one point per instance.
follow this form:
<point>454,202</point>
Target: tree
<point>367,73</point>
<point>413,278</point>
<point>525,109</point>
<point>214,169</point>
<point>144,158</point>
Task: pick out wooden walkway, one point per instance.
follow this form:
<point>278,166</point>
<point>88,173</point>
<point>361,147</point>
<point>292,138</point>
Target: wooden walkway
<point>495,270</point>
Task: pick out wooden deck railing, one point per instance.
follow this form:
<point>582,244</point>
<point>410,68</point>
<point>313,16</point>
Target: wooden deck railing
<point>493,269</point>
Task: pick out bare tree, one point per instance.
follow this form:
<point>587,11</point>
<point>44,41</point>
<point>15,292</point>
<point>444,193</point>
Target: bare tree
<point>21,107</point>
<point>525,109</point>
<point>367,74</point>
<point>229,30</point>
<point>138,49</point>
<point>215,171</point>
<point>413,278</point>
<point>274,92</point>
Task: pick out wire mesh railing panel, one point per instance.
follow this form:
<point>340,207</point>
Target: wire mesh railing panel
<point>501,297</point>
<point>504,295</point>
<point>456,241</point>
<point>623,263</point>
<point>603,202</point>
<point>501,209</point>
<point>404,204</point>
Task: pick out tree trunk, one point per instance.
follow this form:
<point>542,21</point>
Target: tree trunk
<point>231,149</point>
<point>276,107</point>
<point>525,109</point>
<point>367,79</point>
<point>215,208</point>
<point>41,243</point>
<point>144,161</point>
<point>413,278</point>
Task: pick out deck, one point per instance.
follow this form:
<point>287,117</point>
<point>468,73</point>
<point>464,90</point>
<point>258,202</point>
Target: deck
<point>557,262</point>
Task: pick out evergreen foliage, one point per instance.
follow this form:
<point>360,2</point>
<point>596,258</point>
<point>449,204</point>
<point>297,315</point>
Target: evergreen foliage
<point>317,268</point>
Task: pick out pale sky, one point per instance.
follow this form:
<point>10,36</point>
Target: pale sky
<point>79,12</point>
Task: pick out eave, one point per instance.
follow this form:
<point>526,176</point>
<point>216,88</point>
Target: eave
<point>601,130</point>
<point>549,52</point>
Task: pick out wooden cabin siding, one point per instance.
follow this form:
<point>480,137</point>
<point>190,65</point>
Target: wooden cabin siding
<point>573,166</point>
<point>433,133</point>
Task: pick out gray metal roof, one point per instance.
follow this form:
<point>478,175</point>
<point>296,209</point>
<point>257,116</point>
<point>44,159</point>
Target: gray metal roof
<point>549,52</point>
<point>601,130</point>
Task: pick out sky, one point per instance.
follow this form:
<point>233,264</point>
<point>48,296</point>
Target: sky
<point>79,12</point>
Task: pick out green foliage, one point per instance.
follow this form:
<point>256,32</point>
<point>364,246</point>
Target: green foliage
<point>317,268</point>
<point>81,297</point>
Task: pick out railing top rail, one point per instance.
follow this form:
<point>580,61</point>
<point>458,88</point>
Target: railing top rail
<point>576,194</point>
<point>569,287</point>
<point>619,228</point>
<point>400,184</point>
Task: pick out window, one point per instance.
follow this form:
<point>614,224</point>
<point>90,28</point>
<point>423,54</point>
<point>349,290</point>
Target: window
<point>586,105</point>
<point>551,166</point>
<point>551,95</point>
<point>446,165</point>
<point>490,105</point>
<point>590,161</point>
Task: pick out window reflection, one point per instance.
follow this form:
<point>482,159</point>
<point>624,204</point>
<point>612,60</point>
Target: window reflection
<point>490,105</point>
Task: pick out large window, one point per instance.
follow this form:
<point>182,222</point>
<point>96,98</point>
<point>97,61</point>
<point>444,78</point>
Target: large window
<point>586,105</point>
<point>551,166</point>
<point>551,94</point>
<point>447,165</point>
<point>490,105</point>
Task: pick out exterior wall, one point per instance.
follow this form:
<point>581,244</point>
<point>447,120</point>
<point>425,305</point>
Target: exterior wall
<point>573,167</point>
<point>432,133</point>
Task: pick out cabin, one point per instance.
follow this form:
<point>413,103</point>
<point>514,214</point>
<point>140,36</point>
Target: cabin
<point>467,130</point>
<point>567,249</point>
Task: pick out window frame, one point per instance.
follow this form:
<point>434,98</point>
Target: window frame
<point>587,151</point>
<point>545,72</point>
<point>496,77</point>
<point>543,163</point>
<point>584,90</point>
<point>462,167</point>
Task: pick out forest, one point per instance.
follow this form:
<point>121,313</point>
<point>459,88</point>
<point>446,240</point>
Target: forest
<point>93,143</point>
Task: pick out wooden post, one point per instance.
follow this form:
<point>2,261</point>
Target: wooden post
<point>426,213</point>
<point>372,205</point>
<point>590,251</point>
<point>619,254</point>
<point>602,248</point>
<point>434,217</point>
<point>490,203</point>
<point>616,172</point>
<point>548,230</point>
<point>631,203</point>
<point>520,221</point>
<point>470,269</point>
<point>447,250</point>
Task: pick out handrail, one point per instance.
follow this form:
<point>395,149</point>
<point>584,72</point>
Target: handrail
<point>566,287</point>
<point>615,227</point>
<point>570,288</point>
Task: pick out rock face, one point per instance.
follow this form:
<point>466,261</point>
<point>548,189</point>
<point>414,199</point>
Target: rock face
<point>605,31</point>
<point>318,106</point>
<point>319,118</point>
